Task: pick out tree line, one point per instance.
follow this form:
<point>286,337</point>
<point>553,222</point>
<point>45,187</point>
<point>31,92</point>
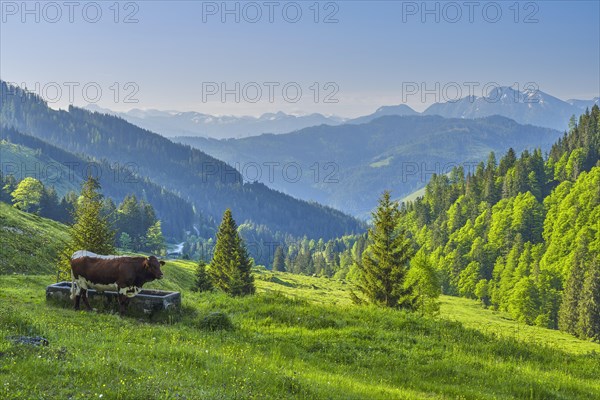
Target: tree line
<point>332,258</point>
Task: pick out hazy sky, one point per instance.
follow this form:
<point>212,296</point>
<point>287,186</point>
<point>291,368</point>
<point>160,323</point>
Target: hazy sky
<point>182,55</point>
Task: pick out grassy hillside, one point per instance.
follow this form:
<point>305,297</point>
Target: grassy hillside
<point>28,243</point>
<point>299,337</point>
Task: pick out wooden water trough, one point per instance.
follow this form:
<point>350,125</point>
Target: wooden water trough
<point>147,301</point>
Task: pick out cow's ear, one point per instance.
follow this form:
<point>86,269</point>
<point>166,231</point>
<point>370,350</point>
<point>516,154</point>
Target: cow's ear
<point>146,263</point>
<point>162,262</point>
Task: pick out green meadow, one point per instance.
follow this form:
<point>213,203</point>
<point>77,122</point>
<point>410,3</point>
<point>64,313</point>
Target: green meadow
<point>298,338</point>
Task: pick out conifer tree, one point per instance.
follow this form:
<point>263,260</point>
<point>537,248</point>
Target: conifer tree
<point>202,282</point>
<point>50,204</point>
<point>588,325</point>
<point>90,230</point>
<point>482,292</point>
<point>230,268</point>
<point>385,261</point>
<point>278,260</point>
<point>468,279</point>
<point>242,282</point>
<point>125,241</point>
<point>569,312</point>
<point>524,301</point>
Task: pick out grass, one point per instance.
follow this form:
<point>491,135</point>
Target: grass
<point>413,196</point>
<point>294,339</point>
<point>28,243</point>
<point>500,324</point>
<point>297,338</point>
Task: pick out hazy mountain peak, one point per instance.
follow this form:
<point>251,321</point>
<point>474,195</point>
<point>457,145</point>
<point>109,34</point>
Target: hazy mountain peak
<point>96,108</point>
<point>530,106</point>
<point>399,109</point>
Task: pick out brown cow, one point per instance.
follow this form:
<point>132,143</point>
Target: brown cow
<point>125,275</point>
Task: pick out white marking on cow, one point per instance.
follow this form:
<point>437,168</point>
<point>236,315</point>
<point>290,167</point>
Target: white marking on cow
<point>130,291</point>
<point>74,288</point>
<point>80,283</point>
<point>85,284</point>
<point>86,253</point>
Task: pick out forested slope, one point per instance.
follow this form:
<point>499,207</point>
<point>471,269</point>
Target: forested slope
<point>209,184</point>
<point>25,155</point>
<point>522,234</point>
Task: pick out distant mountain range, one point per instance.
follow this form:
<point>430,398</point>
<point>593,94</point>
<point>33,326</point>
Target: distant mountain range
<point>348,166</point>
<point>528,107</point>
<point>174,123</point>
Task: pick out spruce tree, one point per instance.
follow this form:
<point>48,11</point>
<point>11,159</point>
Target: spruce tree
<point>230,268</point>
<point>225,252</point>
<point>588,324</point>
<point>569,312</point>
<point>202,282</point>
<point>91,230</point>
<point>242,282</point>
<point>125,241</point>
<point>524,303</point>
<point>278,260</point>
<point>385,261</point>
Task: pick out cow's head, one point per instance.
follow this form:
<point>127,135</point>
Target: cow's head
<point>153,266</point>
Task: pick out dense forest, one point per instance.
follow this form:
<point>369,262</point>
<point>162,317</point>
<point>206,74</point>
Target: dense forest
<point>328,258</point>
<point>208,184</point>
<point>521,234</point>
<point>117,181</point>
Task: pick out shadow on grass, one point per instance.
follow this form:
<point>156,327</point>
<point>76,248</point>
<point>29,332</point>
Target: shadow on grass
<point>108,305</point>
<point>278,281</point>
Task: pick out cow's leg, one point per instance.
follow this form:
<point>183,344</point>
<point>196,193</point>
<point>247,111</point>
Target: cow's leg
<point>75,292</point>
<point>84,294</point>
<point>77,298</point>
<point>123,301</point>
<point>107,300</point>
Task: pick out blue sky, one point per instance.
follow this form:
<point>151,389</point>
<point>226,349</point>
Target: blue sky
<point>177,51</point>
